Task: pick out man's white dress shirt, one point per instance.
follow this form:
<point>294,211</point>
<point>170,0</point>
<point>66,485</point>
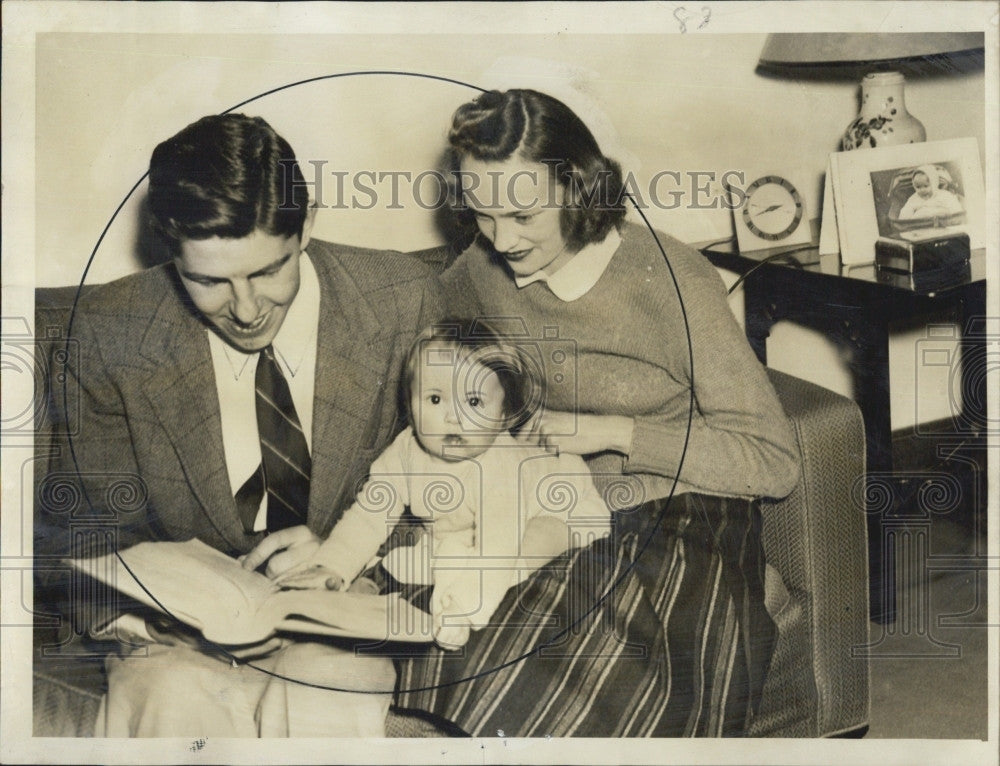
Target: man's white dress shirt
<point>235,371</point>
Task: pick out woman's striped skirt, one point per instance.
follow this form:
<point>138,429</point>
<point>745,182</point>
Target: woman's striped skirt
<point>659,630</point>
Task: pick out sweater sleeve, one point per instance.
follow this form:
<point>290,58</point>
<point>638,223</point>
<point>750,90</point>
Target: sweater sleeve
<point>366,524</point>
<point>739,440</point>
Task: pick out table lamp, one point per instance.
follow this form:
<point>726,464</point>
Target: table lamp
<point>882,59</point>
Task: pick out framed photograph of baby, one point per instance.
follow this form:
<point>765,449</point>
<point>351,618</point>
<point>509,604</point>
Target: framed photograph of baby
<point>910,192</point>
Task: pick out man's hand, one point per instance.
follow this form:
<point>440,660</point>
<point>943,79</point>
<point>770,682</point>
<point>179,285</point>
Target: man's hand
<point>283,550</point>
<point>309,576</point>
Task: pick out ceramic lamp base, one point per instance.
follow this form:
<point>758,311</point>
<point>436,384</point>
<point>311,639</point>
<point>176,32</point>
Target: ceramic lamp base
<point>883,120</point>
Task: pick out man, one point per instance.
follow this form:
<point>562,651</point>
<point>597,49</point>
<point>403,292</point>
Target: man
<point>246,385</point>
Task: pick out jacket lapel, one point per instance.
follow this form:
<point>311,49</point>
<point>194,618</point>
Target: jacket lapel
<point>351,358</point>
<point>353,352</point>
<point>183,395</point>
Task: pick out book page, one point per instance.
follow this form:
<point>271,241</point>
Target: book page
<point>196,584</point>
<point>208,590</point>
<point>357,615</point>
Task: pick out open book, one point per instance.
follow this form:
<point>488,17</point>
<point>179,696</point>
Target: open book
<point>212,592</point>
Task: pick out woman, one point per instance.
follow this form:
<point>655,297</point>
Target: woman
<point>660,630</point>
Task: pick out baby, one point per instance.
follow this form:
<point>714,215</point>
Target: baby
<point>929,199</point>
<point>496,509</point>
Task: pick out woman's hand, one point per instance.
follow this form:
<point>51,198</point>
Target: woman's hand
<point>283,550</point>
<point>581,434</point>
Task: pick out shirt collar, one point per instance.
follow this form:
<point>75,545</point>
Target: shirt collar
<point>297,332</point>
<point>580,274</point>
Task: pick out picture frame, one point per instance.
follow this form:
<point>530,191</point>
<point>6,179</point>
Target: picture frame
<point>889,192</point>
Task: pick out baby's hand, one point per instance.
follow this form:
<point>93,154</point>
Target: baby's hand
<point>309,576</point>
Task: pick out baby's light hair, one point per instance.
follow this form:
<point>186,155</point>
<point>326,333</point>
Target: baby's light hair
<point>477,340</point>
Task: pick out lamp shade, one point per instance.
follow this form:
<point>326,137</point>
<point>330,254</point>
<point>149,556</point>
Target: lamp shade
<point>801,52</point>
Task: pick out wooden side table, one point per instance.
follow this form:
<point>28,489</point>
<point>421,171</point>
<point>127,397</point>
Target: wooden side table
<point>855,307</point>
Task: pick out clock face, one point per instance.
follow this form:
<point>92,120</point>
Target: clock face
<point>773,208</point>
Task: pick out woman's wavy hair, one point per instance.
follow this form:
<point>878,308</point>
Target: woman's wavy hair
<point>477,340</point>
<point>227,176</point>
<point>539,128</point>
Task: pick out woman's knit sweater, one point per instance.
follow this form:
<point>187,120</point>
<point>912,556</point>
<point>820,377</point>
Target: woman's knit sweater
<point>637,344</point>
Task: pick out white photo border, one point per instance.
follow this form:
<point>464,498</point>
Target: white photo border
<point>24,20</point>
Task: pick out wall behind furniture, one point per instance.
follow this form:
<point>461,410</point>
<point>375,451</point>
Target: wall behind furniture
<point>691,104</point>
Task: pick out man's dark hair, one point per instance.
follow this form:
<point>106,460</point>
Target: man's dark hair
<point>538,128</point>
<point>227,176</point>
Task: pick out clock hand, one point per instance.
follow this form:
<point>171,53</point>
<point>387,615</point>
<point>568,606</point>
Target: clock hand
<point>771,209</point>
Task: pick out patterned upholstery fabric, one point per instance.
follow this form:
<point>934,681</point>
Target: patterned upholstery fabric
<point>815,539</point>
<point>67,694</point>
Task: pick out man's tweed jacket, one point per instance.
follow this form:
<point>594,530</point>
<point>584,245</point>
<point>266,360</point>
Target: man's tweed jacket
<point>146,436</point>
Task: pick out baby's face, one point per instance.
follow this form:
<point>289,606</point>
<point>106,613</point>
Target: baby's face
<point>457,404</point>
<point>922,185</point>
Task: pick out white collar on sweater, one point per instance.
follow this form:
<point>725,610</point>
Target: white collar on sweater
<point>580,274</point>
<point>297,333</point>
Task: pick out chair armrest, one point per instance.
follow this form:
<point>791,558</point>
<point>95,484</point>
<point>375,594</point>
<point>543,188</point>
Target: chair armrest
<point>817,539</point>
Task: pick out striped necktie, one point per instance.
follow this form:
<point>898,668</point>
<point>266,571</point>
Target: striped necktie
<point>285,463</point>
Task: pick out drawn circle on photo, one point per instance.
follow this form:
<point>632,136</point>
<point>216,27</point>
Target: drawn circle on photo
<point>551,642</point>
<point>968,387</point>
<point>471,372</point>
